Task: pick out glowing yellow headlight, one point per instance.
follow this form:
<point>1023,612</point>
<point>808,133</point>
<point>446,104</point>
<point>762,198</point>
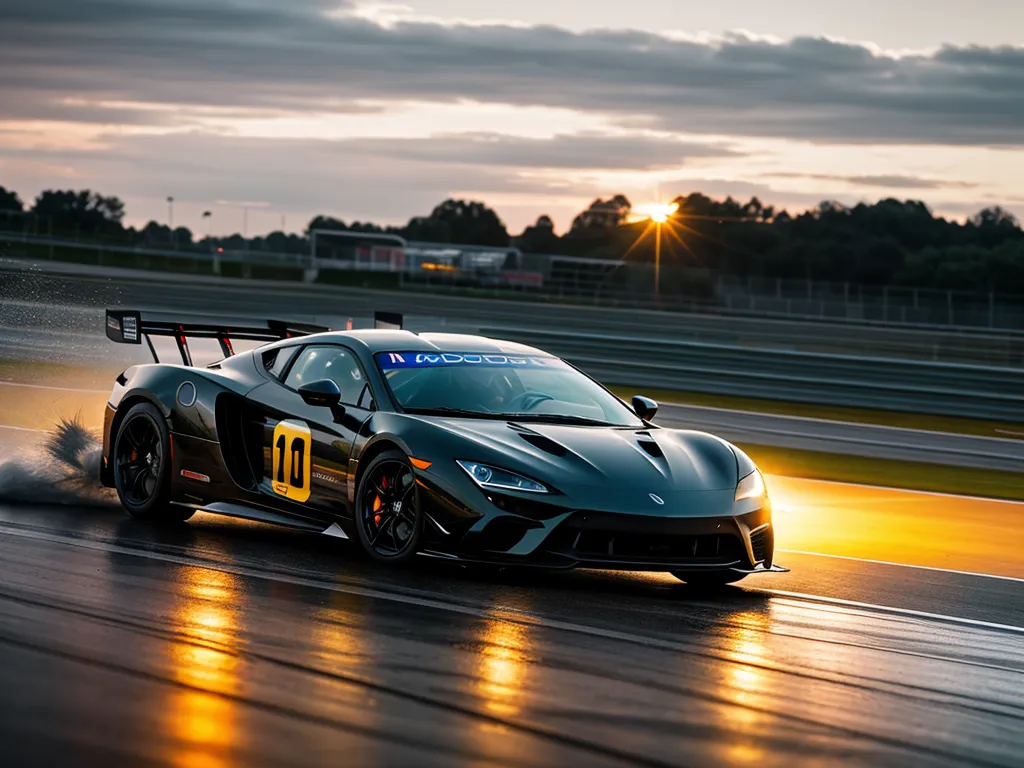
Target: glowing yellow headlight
<point>750,487</point>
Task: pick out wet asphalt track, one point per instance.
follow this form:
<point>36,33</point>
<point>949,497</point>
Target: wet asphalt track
<point>221,643</point>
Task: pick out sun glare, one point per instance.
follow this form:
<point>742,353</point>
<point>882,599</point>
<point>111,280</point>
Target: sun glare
<point>659,213</point>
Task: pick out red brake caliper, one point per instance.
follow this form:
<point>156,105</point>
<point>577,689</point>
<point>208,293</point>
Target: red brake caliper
<point>377,503</point>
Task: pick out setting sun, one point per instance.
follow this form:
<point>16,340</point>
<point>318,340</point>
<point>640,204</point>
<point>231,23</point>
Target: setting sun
<point>659,213</point>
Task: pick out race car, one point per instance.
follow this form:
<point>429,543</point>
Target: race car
<point>452,446</point>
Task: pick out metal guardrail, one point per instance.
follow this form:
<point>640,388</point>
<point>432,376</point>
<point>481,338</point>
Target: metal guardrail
<point>262,258</point>
<point>843,380</point>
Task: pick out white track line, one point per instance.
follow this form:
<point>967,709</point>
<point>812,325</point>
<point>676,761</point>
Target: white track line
<point>902,565</point>
<point>519,614</point>
<point>22,429</point>
<point>58,389</point>
<point>889,609</point>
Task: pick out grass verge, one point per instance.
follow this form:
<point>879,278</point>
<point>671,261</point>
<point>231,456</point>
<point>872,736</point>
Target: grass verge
<point>951,424</point>
<point>912,475</point>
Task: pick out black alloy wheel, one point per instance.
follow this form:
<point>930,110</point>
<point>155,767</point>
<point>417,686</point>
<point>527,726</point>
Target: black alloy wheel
<point>142,466</point>
<point>388,517</point>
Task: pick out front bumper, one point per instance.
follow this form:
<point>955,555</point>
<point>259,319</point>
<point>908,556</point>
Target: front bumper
<point>742,543</point>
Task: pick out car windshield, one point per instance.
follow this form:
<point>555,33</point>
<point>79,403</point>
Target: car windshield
<point>521,387</point>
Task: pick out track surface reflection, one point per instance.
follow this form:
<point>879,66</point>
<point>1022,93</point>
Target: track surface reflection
<point>222,643</point>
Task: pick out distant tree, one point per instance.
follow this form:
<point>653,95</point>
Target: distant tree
<point>182,237</point>
<point>993,226</point>
<point>233,242</point>
<point>539,238</point>
<point>85,212</point>
<point>280,242</point>
<point>427,229</point>
<point>459,222</point>
<point>996,216</point>
<point>602,215</point>
<point>366,227</point>
<point>9,201</point>
<point>155,233</point>
<point>325,222</point>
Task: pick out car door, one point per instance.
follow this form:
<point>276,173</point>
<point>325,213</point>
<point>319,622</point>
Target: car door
<point>306,448</point>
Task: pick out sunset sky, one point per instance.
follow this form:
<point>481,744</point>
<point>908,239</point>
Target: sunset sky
<point>377,111</point>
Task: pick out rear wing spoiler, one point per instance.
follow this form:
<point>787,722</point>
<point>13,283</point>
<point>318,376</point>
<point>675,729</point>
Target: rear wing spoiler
<point>130,327</point>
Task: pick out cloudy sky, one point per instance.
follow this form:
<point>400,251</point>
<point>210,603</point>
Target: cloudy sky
<point>377,111</point>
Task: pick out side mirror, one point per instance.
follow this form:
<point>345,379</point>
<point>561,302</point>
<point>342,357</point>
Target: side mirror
<point>644,407</point>
<point>322,393</point>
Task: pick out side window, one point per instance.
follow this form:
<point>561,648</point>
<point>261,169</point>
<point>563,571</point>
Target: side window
<point>329,362</point>
<point>366,399</point>
<point>276,360</point>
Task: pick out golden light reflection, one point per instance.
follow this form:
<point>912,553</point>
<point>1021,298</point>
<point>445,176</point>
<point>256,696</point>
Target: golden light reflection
<point>343,643</point>
<point>746,686</point>
<point>502,666</point>
<point>202,719</point>
<point>896,525</point>
<point>339,635</point>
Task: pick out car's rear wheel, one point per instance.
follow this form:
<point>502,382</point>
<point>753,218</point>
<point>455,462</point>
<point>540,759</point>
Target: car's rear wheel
<point>708,579</point>
<point>142,466</point>
<point>388,518</point>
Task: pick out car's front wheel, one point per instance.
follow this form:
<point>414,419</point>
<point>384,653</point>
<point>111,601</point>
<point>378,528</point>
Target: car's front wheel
<point>388,518</point>
<point>142,466</point>
<point>708,579</point>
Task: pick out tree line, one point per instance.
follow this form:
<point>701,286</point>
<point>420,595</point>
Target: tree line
<point>891,242</point>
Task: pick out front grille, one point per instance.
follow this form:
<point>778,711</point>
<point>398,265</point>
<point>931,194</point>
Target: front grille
<point>757,543</point>
<point>594,545</point>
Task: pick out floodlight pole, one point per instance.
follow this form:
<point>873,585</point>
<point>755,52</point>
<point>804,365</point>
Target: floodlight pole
<point>657,264</point>
<point>170,221</point>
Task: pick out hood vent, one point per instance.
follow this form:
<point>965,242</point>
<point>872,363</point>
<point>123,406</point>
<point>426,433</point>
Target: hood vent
<point>651,448</point>
<point>538,440</point>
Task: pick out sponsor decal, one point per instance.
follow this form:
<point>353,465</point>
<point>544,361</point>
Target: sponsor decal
<point>657,499</point>
<point>325,478</point>
<point>394,360</point>
<point>130,328</point>
<point>113,322</point>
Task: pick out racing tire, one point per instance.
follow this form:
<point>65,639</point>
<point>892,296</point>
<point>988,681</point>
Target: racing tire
<point>141,462</point>
<point>708,580</point>
<point>387,511</point>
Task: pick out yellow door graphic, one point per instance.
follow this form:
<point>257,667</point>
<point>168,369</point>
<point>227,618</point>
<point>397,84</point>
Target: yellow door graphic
<point>291,451</point>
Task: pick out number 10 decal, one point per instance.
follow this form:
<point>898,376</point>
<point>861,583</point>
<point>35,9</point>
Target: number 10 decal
<point>291,460</point>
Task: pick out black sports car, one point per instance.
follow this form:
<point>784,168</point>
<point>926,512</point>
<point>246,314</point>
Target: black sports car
<point>459,447</point>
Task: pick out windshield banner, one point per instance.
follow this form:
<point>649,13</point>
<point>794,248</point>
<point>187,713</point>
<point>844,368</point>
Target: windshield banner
<point>390,361</point>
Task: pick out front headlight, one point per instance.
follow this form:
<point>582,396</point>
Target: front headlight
<point>496,479</point>
<point>750,487</point>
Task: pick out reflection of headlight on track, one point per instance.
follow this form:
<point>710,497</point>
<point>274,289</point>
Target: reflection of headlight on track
<point>750,487</point>
<point>496,479</point>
